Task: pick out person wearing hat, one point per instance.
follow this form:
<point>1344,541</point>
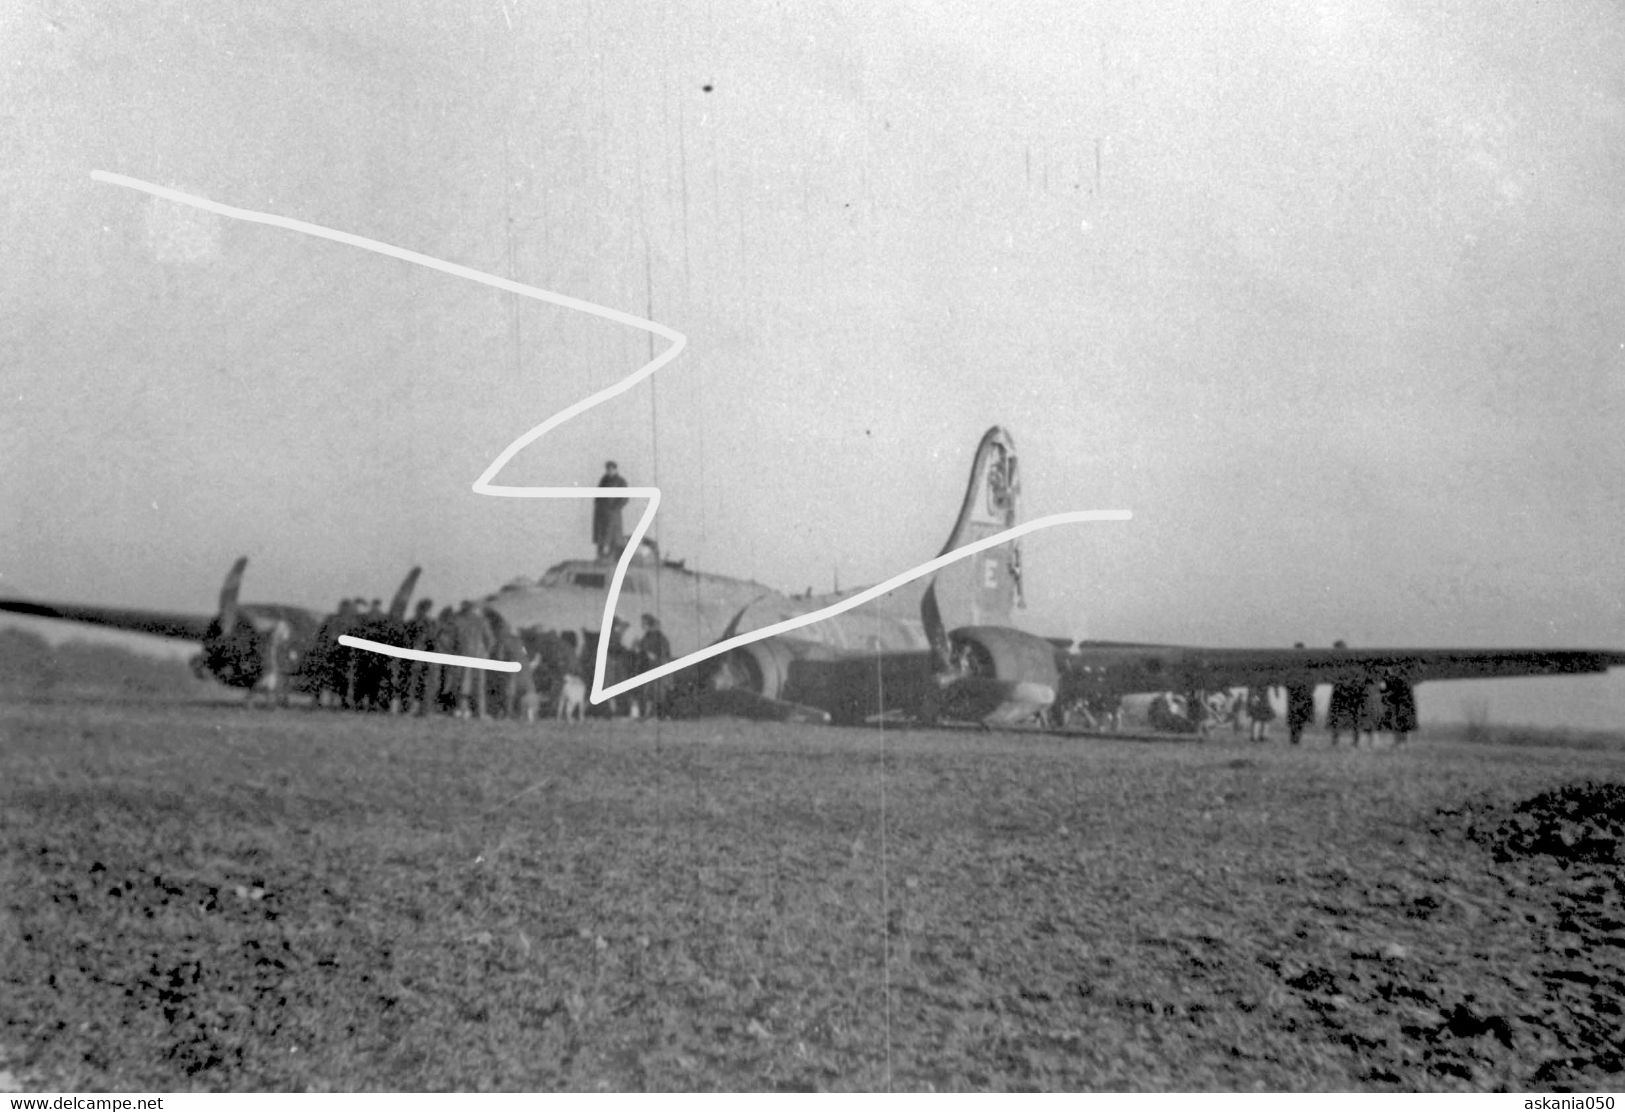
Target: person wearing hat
<point>1260,710</point>
<point>1300,707</point>
<point>606,515</point>
<point>653,651</point>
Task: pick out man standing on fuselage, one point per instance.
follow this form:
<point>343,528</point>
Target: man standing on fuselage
<point>606,515</point>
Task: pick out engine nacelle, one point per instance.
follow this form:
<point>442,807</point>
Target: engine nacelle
<point>999,652</point>
<point>761,668</point>
<point>1006,677</point>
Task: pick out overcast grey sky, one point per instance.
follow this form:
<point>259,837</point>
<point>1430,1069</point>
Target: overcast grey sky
<point>1328,295</point>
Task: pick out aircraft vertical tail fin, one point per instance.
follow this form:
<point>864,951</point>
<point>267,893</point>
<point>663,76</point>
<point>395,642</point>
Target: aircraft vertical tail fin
<point>985,588</point>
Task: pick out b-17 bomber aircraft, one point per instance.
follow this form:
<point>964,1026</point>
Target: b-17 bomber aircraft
<point>938,649</point>
<point>894,656</point>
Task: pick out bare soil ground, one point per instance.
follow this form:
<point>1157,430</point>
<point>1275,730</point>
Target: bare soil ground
<point>199,896</point>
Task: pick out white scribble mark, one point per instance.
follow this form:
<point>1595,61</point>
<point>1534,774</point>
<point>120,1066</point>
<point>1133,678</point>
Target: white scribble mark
<point>432,658</point>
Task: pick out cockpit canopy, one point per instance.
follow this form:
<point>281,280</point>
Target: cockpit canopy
<point>593,575</point>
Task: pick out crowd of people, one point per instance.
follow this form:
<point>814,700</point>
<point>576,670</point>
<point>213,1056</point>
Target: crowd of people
<point>354,679</point>
<point>1384,702</point>
<point>1381,702</point>
<point>1387,704</point>
<point>348,678</point>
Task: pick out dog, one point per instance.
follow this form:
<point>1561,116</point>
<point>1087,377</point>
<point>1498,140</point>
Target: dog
<point>572,702</point>
<point>527,700</point>
<point>530,705</point>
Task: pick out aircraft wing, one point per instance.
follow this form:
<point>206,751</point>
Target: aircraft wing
<point>1134,669</point>
<point>159,623</point>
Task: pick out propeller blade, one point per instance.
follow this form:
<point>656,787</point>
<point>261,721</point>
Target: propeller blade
<point>228,594</point>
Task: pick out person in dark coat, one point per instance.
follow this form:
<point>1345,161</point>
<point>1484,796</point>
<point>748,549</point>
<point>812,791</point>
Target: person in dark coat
<point>617,667</point>
<point>323,662</point>
<point>606,515</point>
<point>1300,707</point>
<point>1261,711</point>
<point>415,673</point>
<point>474,637</point>
<point>438,678</point>
<point>372,669</point>
<point>1300,710</point>
<point>556,658</point>
<point>653,651</point>
<point>1399,708</point>
<point>393,671</point>
<point>1343,712</point>
<point>348,659</point>
<point>569,658</point>
<point>502,689</point>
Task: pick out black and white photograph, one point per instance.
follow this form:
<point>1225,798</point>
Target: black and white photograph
<point>744,546</point>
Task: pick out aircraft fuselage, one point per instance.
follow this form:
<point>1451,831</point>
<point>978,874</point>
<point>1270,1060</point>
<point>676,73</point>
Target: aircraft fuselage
<point>696,608</point>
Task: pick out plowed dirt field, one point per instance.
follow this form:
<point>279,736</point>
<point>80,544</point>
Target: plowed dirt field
<point>199,896</point>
